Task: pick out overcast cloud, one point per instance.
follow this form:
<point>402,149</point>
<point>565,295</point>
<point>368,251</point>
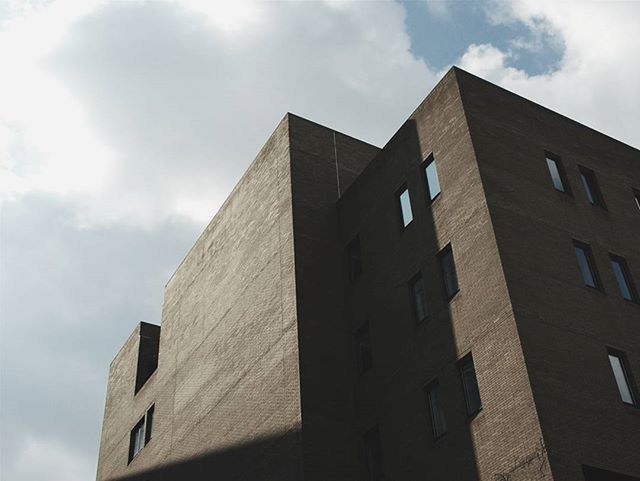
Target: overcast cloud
<point>124,125</point>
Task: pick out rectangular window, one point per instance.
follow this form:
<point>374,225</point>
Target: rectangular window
<point>136,441</point>
<point>373,455</point>
<point>470,385</point>
<point>354,259</point>
<point>621,375</point>
<point>636,194</point>
<point>362,341</point>
<point>418,298</point>
<point>591,187</point>
<point>431,177</point>
<point>587,265</point>
<point>148,433</point>
<point>436,410</point>
<point>623,276</point>
<point>556,170</point>
<point>404,202</point>
<point>448,271</point>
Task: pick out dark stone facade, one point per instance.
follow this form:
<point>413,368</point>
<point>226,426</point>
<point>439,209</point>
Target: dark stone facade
<point>256,373</point>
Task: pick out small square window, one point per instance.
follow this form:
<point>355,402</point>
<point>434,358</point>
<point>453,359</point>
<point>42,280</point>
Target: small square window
<point>618,363</point>
<point>591,187</point>
<point>436,411</point>
<point>448,272</point>
<point>354,259</point>
<point>558,176</point>
<point>623,276</point>
<point>418,298</point>
<point>404,203</point>
<point>470,385</point>
<point>373,455</point>
<point>362,341</point>
<point>587,265</point>
<point>431,177</point>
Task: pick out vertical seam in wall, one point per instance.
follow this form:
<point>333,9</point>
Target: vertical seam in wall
<point>335,156</point>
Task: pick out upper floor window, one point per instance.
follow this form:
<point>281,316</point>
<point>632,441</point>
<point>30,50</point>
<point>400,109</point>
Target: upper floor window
<point>438,422</point>
<point>362,341</point>
<point>404,202</point>
<point>470,385</point>
<point>558,176</point>
<point>373,455</point>
<point>591,187</point>
<point>636,194</point>
<point>621,375</point>
<point>448,271</point>
<point>587,265</point>
<point>354,259</point>
<point>623,276</point>
<point>418,297</point>
<point>141,433</point>
<point>431,177</point>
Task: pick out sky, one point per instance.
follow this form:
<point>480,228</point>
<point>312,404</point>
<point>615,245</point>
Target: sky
<point>125,124</point>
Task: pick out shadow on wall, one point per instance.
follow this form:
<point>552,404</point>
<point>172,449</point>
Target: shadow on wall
<point>267,459</point>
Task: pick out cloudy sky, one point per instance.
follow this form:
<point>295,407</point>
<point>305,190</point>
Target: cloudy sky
<point>125,124</point>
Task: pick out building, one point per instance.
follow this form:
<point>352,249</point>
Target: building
<point>458,305</point>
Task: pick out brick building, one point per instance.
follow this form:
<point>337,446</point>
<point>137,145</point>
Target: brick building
<point>458,305</point>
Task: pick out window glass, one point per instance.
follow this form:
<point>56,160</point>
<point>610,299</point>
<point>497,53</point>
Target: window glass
<point>585,262</point>
<point>362,341</point>
<point>623,276</point>
<point>636,194</point>
<point>470,384</point>
<point>436,410</point>
<point>591,188</point>
<point>556,174</point>
<point>431,175</point>
<point>448,269</point>
<point>419,298</point>
<point>149,425</point>
<point>137,439</point>
<point>620,375</point>
<point>405,208</point>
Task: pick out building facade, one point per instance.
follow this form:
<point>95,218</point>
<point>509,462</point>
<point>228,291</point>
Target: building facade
<point>458,305</point>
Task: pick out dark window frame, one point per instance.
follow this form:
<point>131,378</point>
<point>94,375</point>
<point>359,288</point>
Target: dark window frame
<point>148,424</point>
<point>464,364</point>
<point>562,173</point>
<point>363,365</point>
<point>591,263</point>
<point>354,263</point>
<point>430,159</point>
<point>418,277</point>
<point>145,427</point>
<point>435,405</point>
<point>626,274</point>
<point>398,198</point>
<point>628,377</point>
<point>445,252</point>
<point>370,464</point>
<point>636,195</point>
<point>592,187</point>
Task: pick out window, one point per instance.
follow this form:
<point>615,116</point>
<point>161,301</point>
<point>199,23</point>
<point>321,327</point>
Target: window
<point>373,455</point>
<point>470,385</point>
<point>636,194</point>
<point>448,271</point>
<point>354,259</point>
<point>587,265</point>
<point>406,215</point>
<point>141,434</point>
<point>557,173</point>
<point>362,341</point>
<point>436,411</point>
<point>431,177</point>
<point>137,440</point>
<point>418,298</point>
<point>591,187</point>
<point>623,276</point>
<point>149,425</point>
<point>621,375</point>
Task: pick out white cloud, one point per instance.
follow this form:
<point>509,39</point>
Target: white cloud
<point>595,81</point>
